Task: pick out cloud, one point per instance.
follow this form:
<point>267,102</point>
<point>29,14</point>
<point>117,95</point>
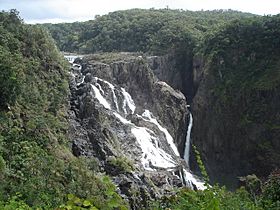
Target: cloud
<point>32,9</point>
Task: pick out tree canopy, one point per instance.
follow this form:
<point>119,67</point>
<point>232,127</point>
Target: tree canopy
<point>154,31</point>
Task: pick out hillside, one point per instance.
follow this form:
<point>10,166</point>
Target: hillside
<point>153,31</point>
<point>37,167</point>
<point>177,33</point>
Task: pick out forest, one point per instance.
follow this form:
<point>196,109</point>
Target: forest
<point>138,30</point>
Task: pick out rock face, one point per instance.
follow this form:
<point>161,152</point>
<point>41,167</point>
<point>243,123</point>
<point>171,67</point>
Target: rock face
<point>176,70</point>
<point>233,136</point>
<point>132,123</point>
<point>236,137</point>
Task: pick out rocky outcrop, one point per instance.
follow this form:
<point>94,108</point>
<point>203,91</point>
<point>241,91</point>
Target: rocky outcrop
<point>132,123</point>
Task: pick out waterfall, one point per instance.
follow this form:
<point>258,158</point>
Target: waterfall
<point>128,101</point>
<point>112,87</point>
<point>71,58</point>
<point>158,150</point>
<point>147,114</point>
<point>100,98</point>
<point>188,141</point>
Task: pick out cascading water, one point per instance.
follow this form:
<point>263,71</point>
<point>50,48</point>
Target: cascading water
<point>112,87</point>
<point>147,114</point>
<point>159,151</point>
<point>188,141</point>
<point>128,101</point>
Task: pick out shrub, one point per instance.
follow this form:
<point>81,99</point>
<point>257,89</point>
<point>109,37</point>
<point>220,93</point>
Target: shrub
<point>271,191</point>
<point>121,164</point>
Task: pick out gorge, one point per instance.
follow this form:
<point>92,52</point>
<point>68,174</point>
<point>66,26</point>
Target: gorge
<point>156,97</point>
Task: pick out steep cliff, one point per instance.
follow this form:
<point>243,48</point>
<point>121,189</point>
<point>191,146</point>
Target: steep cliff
<point>236,107</point>
<point>176,69</point>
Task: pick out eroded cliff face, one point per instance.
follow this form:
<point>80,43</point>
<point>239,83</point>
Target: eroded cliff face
<point>132,123</point>
<point>235,131</point>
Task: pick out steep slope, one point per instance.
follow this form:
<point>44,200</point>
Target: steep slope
<point>236,108</point>
<point>37,168</point>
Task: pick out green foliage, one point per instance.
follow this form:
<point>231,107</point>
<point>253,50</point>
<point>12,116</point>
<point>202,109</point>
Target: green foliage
<point>113,200</point>
<point>11,60</point>
<point>2,166</point>
<point>35,158</point>
<point>201,165</point>
<point>155,31</point>
<point>76,203</point>
<point>252,185</point>
<point>14,203</point>
<point>122,164</point>
<point>215,198</point>
<point>33,76</point>
<point>271,191</point>
<point>245,52</point>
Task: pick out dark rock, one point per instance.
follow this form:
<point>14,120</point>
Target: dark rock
<point>103,127</point>
<point>230,145</point>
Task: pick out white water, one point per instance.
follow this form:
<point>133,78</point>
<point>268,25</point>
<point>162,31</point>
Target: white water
<point>100,98</point>
<point>115,100</point>
<point>100,88</point>
<point>147,114</point>
<point>72,74</point>
<point>153,156</point>
<point>128,101</point>
<point>83,80</point>
<point>191,179</point>
<point>188,141</point>
<point>122,119</point>
<point>71,58</point>
<point>112,87</point>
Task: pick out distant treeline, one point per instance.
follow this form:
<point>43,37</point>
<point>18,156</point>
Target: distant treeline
<point>154,31</point>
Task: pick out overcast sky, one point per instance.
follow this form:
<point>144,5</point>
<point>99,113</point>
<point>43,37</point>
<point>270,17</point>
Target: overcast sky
<point>41,11</point>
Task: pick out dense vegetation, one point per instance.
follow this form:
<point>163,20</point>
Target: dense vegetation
<point>37,167</point>
<point>253,195</point>
<point>156,31</point>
